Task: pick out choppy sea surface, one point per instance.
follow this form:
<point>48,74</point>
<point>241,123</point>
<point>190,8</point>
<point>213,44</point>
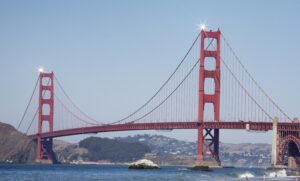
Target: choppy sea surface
<point>10,172</point>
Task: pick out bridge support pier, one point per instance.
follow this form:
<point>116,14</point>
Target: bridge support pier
<point>45,118</point>
<point>45,153</point>
<point>208,147</point>
<point>200,144</point>
<point>274,141</point>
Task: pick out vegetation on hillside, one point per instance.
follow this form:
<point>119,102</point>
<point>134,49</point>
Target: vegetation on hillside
<point>113,150</point>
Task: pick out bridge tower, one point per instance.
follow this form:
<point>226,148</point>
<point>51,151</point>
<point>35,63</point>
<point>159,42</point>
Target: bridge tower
<point>208,139</point>
<point>45,117</point>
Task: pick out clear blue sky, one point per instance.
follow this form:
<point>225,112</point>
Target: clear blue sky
<point>97,48</point>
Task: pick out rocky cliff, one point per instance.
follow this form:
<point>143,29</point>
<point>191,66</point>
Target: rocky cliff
<point>15,146</point>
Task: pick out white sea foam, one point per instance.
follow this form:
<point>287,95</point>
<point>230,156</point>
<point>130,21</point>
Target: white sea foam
<point>203,175</point>
<point>247,174</point>
<point>280,173</point>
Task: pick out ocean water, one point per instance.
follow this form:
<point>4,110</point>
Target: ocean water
<point>10,172</point>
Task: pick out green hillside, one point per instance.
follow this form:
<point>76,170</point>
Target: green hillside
<point>113,150</point>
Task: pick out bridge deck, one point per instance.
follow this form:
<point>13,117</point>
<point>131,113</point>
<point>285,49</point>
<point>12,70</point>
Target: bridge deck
<point>256,126</point>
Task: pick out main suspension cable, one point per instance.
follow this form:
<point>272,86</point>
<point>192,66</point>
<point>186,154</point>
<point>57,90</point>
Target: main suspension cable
<point>255,82</point>
<point>241,85</point>
<point>163,85</point>
<point>69,98</point>
<point>245,90</point>
<point>28,104</point>
<point>34,116</point>
<point>82,120</point>
<point>169,94</point>
<point>176,88</point>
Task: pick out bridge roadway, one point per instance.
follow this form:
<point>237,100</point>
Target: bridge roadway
<point>255,126</point>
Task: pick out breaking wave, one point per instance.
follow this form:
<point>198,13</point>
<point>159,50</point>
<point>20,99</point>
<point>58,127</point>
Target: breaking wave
<point>280,173</point>
<point>246,175</point>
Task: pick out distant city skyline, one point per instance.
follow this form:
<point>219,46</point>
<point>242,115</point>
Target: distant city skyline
<point>113,55</point>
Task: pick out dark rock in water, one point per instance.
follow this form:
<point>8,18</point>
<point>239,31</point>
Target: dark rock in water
<point>15,147</point>
<point>228,167</point>
<point>143,164</point>
<point>202,168</point>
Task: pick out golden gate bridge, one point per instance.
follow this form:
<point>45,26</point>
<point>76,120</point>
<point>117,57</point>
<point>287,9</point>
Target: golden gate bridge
<point>209,90</point>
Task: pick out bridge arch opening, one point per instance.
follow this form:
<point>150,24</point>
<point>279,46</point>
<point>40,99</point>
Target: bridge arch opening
<point>293,149</point>
<point>291,152</point>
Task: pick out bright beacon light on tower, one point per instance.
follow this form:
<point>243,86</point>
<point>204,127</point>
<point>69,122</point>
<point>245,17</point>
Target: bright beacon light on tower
<point>202,27</point>
<point>41,69</point>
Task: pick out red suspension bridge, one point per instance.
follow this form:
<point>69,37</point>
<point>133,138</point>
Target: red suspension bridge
<point>209,90</point>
